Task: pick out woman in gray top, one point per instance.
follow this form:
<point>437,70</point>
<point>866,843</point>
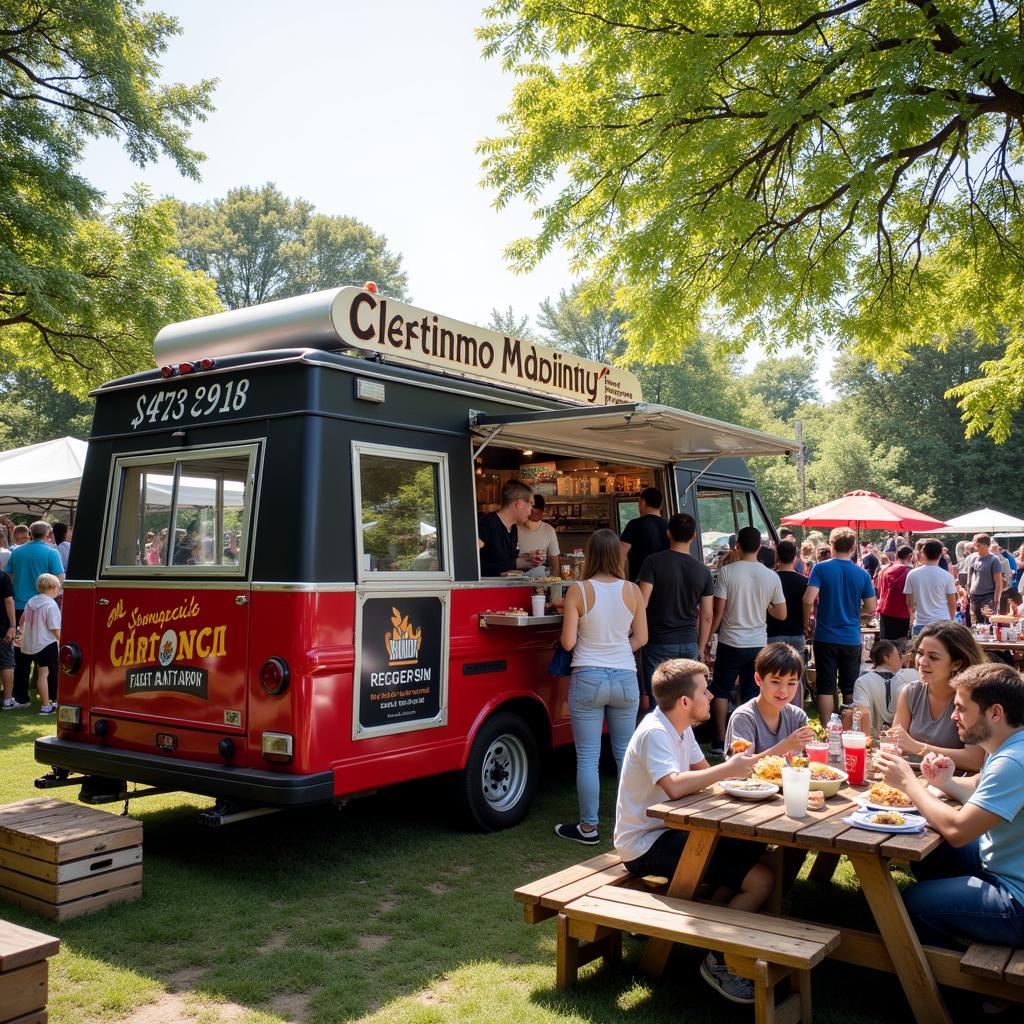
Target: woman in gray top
<point>924,709</point>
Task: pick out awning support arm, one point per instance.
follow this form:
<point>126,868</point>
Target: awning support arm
<point>700,474</point>
<point>487,440</point>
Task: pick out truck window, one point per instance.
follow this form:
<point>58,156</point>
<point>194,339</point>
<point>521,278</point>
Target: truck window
<point>716,519</point>
<point>399,501</point>
<point>182,513</point>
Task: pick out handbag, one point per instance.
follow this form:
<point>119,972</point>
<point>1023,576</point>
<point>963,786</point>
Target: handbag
<point>561,661</point>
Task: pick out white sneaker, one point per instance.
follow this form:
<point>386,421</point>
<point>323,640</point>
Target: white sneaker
<point>8,705</point>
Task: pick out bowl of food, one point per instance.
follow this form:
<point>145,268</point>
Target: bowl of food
<point>826,779</point>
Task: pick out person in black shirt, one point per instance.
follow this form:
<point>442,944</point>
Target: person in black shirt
<point>498,532</point>
<point>790,630</point>
<point>679,597</point>
<point>868,559</point>
<point>646,534</point>
<point>7,630</point>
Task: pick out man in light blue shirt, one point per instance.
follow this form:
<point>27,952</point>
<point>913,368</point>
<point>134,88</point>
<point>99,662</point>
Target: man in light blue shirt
<point>972,887</point>
<point>26,564</point>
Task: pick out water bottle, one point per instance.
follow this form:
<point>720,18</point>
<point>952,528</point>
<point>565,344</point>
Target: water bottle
<point>835,741</point>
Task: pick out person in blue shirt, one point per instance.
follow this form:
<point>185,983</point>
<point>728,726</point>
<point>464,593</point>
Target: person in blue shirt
<point>972,887</point>
<point>843,592</point>
<point>26,564</point>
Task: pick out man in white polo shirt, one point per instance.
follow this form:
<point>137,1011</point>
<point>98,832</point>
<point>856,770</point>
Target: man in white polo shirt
<point>663,761</point>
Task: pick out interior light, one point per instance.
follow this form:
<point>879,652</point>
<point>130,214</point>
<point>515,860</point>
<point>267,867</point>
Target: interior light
<point>527,451</point>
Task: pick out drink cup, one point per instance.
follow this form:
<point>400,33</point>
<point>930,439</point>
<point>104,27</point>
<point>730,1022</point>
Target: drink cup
<point>817,752</point>
<point>855,755</point>
<point>537,604</point>
<point>796,784</point>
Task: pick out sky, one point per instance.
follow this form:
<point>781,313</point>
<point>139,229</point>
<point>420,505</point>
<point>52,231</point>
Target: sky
<point>371,110</point>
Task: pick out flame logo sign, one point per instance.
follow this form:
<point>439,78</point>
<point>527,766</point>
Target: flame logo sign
<point>402,642</point>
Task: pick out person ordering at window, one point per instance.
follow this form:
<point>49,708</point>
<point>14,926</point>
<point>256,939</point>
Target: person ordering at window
<point>498,532</point>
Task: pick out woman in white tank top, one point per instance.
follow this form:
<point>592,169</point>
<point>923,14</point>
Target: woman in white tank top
<point>605,622</point>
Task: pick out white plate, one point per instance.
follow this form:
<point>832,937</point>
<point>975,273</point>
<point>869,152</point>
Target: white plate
<point>770,789</point>
<point>861,819</point>
<point>862,799</point>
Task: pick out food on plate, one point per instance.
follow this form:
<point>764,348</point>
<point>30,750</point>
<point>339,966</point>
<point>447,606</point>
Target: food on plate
<point>816,800</point>
<point>747,785</point>
<point>510,573</point>
<point>888,796</point>
<point>738,746</point>
<point>770,768</point>
<point>887,818</point>
<point>824,772</point>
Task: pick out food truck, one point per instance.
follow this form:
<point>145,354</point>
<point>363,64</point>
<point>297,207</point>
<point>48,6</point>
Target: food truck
<point>274,596</point>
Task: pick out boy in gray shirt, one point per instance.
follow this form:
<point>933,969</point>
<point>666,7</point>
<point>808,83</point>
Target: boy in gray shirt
<point>769,724</point>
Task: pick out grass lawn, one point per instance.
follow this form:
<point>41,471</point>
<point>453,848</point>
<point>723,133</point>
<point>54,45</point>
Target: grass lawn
<point>381,912</point>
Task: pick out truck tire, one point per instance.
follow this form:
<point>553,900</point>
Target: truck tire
<point>499,782</point>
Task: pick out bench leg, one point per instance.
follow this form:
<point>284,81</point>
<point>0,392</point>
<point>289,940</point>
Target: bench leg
<point>801,985</point>
<point>764,994</point>
<point>567,963</point>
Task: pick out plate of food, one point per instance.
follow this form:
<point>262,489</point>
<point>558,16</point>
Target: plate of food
<point>749,789</point>
<point>881,797</point>
<point>886,821</point>
<point>826,779</point>
<point>769,769</point>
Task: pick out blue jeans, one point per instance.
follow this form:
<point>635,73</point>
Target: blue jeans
<point>956,899</point>
<point>654,654</point>
<point>593,694</point>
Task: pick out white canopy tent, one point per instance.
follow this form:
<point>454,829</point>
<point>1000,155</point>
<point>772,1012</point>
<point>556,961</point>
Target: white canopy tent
<point>41,479</point>
<point>985,520</point>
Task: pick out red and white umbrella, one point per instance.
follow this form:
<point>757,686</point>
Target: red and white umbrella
<point>865,510</point>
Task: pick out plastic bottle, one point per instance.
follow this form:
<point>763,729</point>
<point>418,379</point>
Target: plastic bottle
<point>835,740</point>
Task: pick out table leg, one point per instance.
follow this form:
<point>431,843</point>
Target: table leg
<point>900,939</point>
<point>824,867</point>
<point>685,882</point>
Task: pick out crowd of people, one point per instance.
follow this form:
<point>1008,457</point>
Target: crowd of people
<point>648,618</point>
<point>33,564</point>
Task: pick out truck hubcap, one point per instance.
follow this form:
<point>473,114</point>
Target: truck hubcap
<point>504,773</point>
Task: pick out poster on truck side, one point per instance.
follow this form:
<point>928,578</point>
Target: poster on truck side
<point>401,672</point>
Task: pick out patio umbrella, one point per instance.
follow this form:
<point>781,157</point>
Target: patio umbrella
<point>865,510</point>
<point>985,520</point>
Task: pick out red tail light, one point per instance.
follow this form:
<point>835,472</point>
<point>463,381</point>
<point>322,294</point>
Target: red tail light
<point>274,676</point>
<point>70,658</point>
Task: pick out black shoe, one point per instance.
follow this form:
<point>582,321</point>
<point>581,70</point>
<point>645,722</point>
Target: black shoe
<point>577,835</point>
<point>717,750</point>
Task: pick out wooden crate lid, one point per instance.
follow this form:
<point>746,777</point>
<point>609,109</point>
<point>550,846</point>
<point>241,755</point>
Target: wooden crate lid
<point>53,821</point>
<point>20,946</point>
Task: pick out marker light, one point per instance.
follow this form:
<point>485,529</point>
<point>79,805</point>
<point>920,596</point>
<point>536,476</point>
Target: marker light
<point>70,658</point>
<point>370,286</point>
<point>186,367</point>
<point>207,364</point>
<point>167,371</point>
<point>274,676</point>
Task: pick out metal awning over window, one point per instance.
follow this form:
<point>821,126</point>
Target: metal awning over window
<point>641,433</point>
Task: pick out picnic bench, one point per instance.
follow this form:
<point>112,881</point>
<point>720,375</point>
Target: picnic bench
<point>1002,963</point>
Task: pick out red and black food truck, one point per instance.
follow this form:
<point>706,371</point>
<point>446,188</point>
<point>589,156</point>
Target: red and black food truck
<point>274,595</point>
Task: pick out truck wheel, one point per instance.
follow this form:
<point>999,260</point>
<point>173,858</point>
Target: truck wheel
<point>499,781</point>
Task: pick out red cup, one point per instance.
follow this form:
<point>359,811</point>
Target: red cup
<point>855,756</point>
<point>817,752</point>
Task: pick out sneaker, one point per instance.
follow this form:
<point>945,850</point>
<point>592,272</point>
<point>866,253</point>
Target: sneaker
<point>717,750</point>
<point>8,705</point>
<point>577,835</point>
<point>21,703</point>
<point>734,988</point>
<point>48,709</point>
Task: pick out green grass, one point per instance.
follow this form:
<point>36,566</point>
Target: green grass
<point>382,912</point>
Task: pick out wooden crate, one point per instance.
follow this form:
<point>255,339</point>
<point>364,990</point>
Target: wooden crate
<point>23,974</point>
<point>62,860</point>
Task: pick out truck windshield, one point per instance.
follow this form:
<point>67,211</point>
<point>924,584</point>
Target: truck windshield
<point>183,512</point>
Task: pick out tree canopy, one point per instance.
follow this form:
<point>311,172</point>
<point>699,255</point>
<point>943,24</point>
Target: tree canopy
<point>259,245</point>
<point>84,287</point>
<point>784,173</point>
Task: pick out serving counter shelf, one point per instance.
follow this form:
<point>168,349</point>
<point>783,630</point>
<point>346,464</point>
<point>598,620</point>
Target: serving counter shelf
<point>507,619</point>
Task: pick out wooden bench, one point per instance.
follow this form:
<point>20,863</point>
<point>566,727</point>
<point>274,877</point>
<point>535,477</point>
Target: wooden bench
<point>23,973</point>
<point>764,949</point>
<point>1004,963</point>
<point>546,897</point>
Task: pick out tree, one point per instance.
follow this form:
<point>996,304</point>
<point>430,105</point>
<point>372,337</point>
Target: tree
<point>33,410</point>
<point>71,72</point>
<point>583,320</point>
<point>259,245</point>
<point>784,173</point>
<point>508,322</point>
<point>784,384</point>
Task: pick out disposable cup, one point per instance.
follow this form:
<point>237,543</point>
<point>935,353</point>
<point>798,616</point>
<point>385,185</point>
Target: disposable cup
<point>817,752</point>
<point>855,755</point>
<point>537,604</point>
<point>796,784</point>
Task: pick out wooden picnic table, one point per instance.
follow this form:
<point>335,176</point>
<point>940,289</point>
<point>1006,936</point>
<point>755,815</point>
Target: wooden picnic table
<point>713,814</point>
<point>1014,648</point>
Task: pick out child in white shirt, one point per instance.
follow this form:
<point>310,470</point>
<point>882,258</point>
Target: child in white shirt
<point>40,635</point>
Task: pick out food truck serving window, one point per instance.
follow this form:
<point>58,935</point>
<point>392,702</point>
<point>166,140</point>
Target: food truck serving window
<point>183,513</point>
<point>401,506</point>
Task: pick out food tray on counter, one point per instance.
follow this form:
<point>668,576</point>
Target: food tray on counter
<point>511,619</point>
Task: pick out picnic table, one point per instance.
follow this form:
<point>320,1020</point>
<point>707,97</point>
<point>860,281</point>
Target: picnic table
<point>1015,648</point>
<point>895,947</point>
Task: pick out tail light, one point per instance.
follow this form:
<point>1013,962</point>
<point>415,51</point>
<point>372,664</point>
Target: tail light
<point>185,367</point>
<point>277,746</point>
<point>70,658</point>
<point>274,676</point>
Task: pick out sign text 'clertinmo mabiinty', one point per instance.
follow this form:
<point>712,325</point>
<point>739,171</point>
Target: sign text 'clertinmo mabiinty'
<point>416,337</point>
